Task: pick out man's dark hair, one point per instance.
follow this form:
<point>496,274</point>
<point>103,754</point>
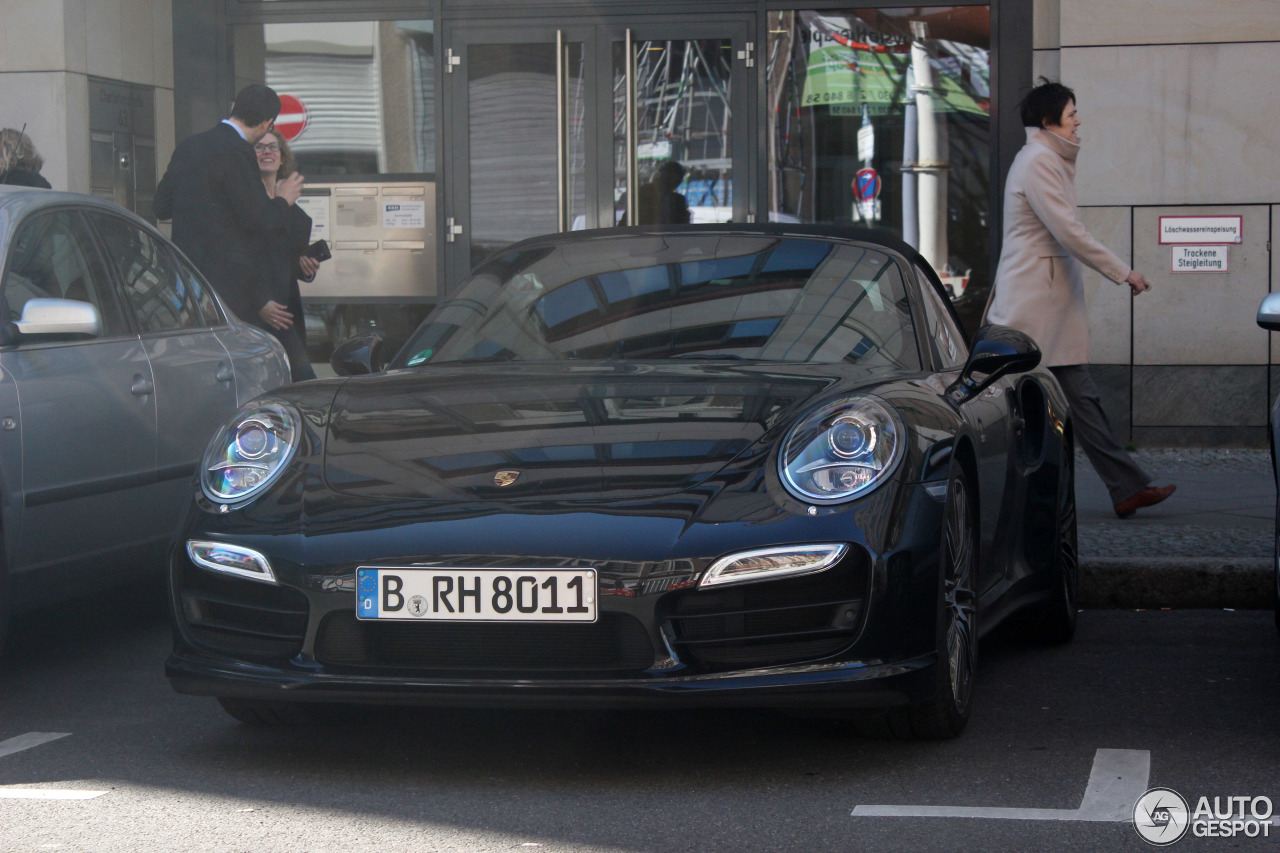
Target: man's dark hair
<point>255,104</point>
<point>1045,103</point>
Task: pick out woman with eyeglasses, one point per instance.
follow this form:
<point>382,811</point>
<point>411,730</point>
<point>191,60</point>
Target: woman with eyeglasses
<point>286,263</point>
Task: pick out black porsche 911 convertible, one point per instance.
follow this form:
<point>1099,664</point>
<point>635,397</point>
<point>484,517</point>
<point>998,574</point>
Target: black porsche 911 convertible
<point>643,467</point>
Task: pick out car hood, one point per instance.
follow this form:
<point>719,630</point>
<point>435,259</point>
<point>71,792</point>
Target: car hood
<point>564,432</point>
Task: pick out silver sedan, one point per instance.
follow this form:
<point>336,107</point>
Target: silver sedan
<point>117,364</point>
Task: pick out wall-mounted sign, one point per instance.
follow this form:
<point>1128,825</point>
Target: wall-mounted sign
<point>316,205</point>
<point>404,213</point>
<point>1201,229</point>
<point>1202,259</point>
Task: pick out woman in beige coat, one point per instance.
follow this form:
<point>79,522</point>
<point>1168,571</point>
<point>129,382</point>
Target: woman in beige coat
<point>1039,286</point>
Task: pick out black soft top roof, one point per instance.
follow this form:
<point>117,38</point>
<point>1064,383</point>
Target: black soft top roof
<point>854,233</point>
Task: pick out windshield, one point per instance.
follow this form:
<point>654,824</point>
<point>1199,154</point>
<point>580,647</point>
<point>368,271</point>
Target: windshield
<point>698,296</point>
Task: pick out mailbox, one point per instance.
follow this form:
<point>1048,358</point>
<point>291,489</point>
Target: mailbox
<point>383,239</point>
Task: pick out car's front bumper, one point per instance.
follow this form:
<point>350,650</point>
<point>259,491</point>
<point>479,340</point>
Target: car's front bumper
<point>814,686</point>
<point>861,633</point>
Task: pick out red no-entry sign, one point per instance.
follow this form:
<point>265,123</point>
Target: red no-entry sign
<point>293,117</point>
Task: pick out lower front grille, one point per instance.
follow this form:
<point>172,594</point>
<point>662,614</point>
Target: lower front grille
<point>615,644</point>
<point>772,622</point>
<point>245,618</point>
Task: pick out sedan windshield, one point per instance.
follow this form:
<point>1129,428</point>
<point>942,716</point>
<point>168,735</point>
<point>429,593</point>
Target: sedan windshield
<point>646,297</point>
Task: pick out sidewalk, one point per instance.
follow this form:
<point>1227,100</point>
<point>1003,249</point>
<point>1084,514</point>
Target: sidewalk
<point>1209,545</point>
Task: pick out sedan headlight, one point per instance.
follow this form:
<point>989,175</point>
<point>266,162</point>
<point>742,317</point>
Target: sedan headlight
<point>250,451</point>
<point>842,450</point>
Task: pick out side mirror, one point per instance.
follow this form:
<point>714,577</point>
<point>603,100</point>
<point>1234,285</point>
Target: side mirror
<point>996,351</point>
<point>1269,312</point>
<point>45,318</point>
<point>360,355</point>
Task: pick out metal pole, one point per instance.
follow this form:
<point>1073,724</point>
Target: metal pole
<point>632,177</point>
<point>931,163</point>
<point>910,215</point>
<point>560,128</point>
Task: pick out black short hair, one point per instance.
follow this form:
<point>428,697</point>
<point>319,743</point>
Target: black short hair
<point>255,104</point>
<point>1045,103</point>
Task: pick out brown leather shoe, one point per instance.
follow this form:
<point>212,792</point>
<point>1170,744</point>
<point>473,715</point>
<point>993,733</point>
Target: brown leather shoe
<point>1150,496</point>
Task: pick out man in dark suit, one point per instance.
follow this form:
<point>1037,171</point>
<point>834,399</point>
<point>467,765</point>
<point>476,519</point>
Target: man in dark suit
<point>214,194</point>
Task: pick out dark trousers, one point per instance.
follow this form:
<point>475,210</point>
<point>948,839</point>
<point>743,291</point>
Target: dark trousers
<point>296,348</point>
<point>1117,469</point>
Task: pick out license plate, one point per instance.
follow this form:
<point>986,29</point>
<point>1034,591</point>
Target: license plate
<point>476,595</point>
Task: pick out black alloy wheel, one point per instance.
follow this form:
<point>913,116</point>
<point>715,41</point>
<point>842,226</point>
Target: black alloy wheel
<point>1055,622</point>
<point>1275,601</point>
<point>946,713</point>
<point>1275,561</point>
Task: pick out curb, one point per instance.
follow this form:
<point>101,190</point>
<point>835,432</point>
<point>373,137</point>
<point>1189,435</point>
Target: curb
<point>1245,583</point>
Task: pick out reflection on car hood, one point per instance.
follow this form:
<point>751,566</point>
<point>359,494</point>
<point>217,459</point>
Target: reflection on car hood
<point>567,431</point>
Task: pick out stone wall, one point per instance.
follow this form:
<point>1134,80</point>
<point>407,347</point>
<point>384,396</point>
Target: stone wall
<point>48,51</point>
<point>1178,99</point>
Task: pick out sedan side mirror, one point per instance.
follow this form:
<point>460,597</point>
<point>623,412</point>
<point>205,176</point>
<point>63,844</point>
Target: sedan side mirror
<point>996,351</point>
<point>55,318</point>
<point>360,355</point>
<point>1269,312</point>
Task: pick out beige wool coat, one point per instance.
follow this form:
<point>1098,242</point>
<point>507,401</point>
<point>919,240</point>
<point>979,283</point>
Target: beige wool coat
<point>1039,286</point>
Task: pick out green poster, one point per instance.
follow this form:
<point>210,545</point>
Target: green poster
<point>840,77</point>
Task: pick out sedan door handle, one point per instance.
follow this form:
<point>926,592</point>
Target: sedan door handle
<point>225,374</point>
<point>141,386</point>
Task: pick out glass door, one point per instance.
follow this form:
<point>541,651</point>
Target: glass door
<point>679,136</point>
<point>563,128</point>
<point>517,156</point>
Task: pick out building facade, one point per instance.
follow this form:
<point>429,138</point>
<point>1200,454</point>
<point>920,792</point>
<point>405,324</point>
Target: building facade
<point>1176,97</point>
<point>434,134</point>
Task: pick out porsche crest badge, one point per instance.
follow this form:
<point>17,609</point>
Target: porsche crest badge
<point>505,478</point>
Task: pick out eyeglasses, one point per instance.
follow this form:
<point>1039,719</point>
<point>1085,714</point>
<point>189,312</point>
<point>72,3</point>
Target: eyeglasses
<point>266,146</point>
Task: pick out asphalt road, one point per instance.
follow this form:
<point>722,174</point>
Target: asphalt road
<point>1185,700</point>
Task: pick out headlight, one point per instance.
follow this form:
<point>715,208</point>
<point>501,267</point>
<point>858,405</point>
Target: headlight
<point>250,451</point>
<point>841,451</point>
<point>771,563</point>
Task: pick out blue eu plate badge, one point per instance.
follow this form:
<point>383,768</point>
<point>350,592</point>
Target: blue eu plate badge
<point>367,592</point>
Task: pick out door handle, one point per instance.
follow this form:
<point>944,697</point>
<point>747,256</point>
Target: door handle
<point>560,132</point>
<point>224,374</point>
<point>141,386</point>
<point>633,176</point>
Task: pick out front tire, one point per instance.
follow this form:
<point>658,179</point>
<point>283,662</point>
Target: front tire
<point>946,713</point>
<point>5,599</point>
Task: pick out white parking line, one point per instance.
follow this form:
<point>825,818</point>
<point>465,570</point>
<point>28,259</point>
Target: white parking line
<point>30,739</point>
<point>1119,777</point>
<point>46,794</point>
<point>27,741</point>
